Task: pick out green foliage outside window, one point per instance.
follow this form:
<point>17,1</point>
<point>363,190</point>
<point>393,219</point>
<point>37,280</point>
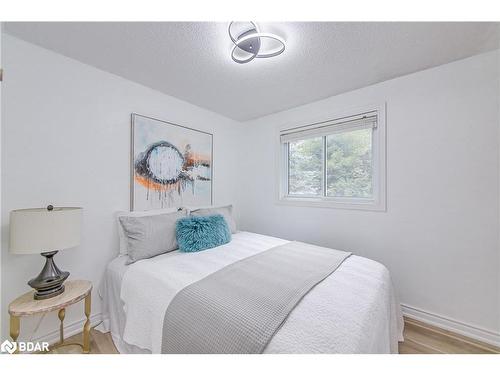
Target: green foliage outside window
<point>348,165</point>
<point>305,167</point>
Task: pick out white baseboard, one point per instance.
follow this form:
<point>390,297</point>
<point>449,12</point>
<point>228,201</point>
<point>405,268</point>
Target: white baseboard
<point>69,330</point>
<point>452,325</point>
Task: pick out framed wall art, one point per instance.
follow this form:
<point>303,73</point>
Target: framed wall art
<point>171,165</point>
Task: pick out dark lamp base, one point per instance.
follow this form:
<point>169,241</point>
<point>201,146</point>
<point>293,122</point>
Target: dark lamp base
<point>49,283</point>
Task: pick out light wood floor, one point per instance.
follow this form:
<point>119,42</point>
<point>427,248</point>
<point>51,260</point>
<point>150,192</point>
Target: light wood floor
<point>420,338</point>
<point>100,343</point>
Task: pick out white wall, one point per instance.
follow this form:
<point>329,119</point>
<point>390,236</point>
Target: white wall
<point>439,236</point>
<point>66,141</point>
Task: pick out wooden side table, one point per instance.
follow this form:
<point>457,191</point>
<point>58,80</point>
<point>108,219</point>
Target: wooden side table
<point>75,291</point>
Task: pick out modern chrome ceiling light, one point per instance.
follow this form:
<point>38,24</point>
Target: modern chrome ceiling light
<point>250,43</point>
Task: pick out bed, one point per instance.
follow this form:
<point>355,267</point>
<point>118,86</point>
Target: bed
<point>354,310</point>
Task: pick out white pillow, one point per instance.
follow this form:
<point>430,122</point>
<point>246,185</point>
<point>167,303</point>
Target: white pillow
<point>121,233</point>
<point>225,211</point>
<point>194,208</point>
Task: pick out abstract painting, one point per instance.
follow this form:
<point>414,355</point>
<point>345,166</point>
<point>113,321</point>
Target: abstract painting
<point>171,165</point>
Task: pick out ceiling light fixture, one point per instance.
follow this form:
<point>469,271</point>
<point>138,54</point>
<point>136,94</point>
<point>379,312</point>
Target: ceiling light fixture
<point>249,41</point>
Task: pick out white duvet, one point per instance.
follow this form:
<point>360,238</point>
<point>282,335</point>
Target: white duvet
<point>354,310</point>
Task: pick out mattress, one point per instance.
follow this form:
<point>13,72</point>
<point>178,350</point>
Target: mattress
<point>354,310</point>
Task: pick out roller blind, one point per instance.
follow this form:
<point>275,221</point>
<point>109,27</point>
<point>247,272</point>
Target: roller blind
<point>362,121</point>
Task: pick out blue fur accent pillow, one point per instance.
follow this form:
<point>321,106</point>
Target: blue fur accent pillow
<point>196,233</point>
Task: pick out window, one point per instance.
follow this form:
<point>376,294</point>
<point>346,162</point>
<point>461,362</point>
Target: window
<point>335,163</point>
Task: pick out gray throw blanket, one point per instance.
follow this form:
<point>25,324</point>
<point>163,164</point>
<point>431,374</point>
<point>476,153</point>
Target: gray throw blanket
<point>239,308</point>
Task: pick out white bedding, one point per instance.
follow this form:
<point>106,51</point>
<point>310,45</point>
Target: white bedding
<point>354,310</point>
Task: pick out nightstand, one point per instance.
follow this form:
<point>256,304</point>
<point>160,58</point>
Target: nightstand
<point>26,305</point>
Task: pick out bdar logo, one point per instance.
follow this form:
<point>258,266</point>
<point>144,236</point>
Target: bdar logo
<point>8,347</point>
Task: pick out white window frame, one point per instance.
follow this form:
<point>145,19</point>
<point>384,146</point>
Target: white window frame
<point>377,202</point>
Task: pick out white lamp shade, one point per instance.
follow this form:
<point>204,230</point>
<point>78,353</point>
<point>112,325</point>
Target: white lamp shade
<point>38,230</point>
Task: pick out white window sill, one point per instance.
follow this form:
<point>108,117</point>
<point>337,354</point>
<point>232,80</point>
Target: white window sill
<point>346,204</point>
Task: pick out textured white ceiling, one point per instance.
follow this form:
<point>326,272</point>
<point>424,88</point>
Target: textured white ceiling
<point>191,61</point>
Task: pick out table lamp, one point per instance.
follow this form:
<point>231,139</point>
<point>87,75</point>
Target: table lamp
<point>45,231</point>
